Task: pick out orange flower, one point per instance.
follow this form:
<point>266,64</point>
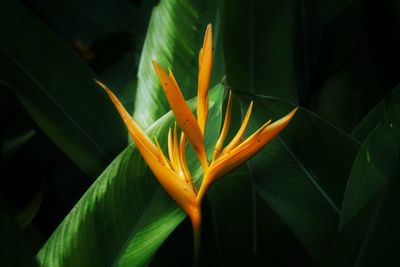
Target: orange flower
<point>237,151</point>
<point>173,172</point>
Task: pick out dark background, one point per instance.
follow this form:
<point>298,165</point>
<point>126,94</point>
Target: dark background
<point>359,49</point>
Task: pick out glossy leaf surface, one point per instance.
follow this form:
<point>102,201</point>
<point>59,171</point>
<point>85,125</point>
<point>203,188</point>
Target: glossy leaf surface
<point>124,206</point>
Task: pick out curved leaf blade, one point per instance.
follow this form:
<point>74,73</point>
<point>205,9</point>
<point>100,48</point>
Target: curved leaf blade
<point>125,215</point>
<point>174,44</point>
<point>372,119</point>
<point>376,165</point>
<point>58,90</point>
<point>302,173</point>
<point>259,46</point>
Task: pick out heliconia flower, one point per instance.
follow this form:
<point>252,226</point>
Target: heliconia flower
<point>237,151</point>
<point>173,173</point>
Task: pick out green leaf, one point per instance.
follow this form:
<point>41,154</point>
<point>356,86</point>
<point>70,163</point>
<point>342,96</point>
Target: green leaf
<point>344,248</point>
<point>14,250</point>
<point>302,173</point>
<point>125,215</point>
<point>376,165</point>
<point>173,39</point>
<point>372,119</point>
<point>259,45</point>
<point>378,247</point>
<point>236,208</point>
<point>339,99</point>
<point>58,90</point>
<point>369,217</point>
<point>371,238</point>
<point>232,212</point>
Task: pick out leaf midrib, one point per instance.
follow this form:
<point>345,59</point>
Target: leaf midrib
<point>278,99</point>
<point>294,157</point>
<point>133,232</point>
<point>304,169</point>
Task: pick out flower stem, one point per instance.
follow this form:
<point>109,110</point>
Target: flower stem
<point>203,189</point>
<point>201,193</point>
<point>196,223</point>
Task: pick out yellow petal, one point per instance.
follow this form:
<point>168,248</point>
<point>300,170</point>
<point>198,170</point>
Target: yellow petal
<point>133,128</point>
<point>161,153</point>
<point>177,188</point>
<point>181,192</point>
<point>176,154</point>
<point>183,162</point>
<point>200,57</point>
<point>236,140</point>
<point>254,135</point>
<point>205,67</point>
<point>171,149</point>
<point>225,128</point>
<point>183,114</point>
<point>248,148</point>
<point>171,75</point>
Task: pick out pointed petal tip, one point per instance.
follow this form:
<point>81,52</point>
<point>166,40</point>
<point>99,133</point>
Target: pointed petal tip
<point>156,66</point>
<point>292,113</point>
<point>105,88</point>
<point>101,84</point>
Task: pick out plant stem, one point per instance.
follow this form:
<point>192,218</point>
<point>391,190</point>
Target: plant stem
<point>201,193</point>
<point>203,188</point>
<point>196,223</point>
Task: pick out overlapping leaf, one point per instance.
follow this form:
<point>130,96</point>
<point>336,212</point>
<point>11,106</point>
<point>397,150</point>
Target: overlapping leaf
<point>376,165</point>
<point>125,216</point>
<point>57,89</point>
<point>173,39</point>
<point>260,63</point>
<point>369,217</point>
<point>300,175</point>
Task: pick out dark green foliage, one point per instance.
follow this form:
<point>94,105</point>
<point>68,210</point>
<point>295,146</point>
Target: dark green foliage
<point>75,191</point>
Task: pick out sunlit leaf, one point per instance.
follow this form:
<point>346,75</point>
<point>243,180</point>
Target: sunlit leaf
<point>126,207</point>
<point>174,36</point>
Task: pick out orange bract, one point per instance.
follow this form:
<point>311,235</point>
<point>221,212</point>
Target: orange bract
<point>173,172</point>
<point>166,171</point>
